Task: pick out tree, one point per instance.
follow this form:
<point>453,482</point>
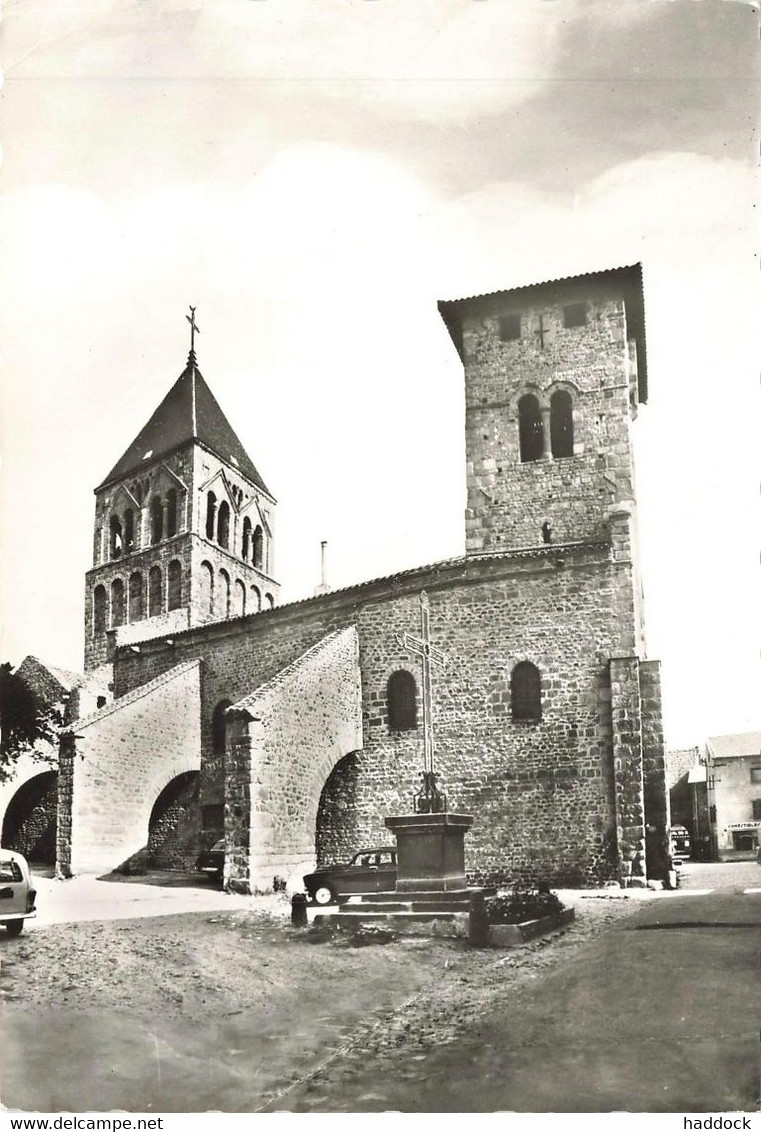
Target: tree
<point>26,722</point>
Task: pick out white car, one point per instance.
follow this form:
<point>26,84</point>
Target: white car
<point>17,892</point>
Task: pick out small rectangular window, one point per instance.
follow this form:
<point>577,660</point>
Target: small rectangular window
<point>755,774</point>
<point>756,809</point>
<point>509,327</point>
<point>575,314</point>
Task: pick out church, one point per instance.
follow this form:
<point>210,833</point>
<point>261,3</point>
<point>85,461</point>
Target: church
<point>209,710</point>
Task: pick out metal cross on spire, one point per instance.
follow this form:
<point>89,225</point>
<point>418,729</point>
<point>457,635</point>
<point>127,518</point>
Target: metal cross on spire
<point>193,329</point>
<point>431,658</point>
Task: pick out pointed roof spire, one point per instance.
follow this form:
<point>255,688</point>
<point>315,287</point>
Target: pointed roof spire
<point>189,412</point>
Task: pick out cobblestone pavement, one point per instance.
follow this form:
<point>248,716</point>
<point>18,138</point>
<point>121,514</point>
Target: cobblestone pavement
<point>718,875</point>
<point>442,1012</point>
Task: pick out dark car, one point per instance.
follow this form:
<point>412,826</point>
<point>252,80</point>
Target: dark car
<point>212,860</point>
<point>370,870</point>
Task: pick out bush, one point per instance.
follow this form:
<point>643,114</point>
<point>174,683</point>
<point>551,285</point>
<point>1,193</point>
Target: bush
<point>523,902</point>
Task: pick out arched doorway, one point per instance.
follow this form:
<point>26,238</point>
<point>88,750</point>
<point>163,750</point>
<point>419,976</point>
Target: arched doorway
<point>337,835</point>
<point>31,819</point>
<point>174,826</point>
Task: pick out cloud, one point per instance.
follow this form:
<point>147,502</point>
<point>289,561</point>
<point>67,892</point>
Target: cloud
<point>439,60</point>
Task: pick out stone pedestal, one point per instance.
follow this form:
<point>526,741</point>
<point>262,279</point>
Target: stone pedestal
<point>430,851</point>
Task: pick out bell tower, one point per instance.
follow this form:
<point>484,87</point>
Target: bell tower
<point>184,526</point>
<point>554,375</point>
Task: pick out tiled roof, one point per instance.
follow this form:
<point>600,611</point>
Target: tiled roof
<point>544,551</point>
<point>132,697</point>
<point>735,746</point>
<point>188,412</point>
<point>628,276</point>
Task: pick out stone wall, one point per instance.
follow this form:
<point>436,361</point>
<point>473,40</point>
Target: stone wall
<point>115,764</point>
<point>653,747</point>
<point>298,726</point>
<point>508,500</point>
<point>542,794</point>
<point>29,820</point>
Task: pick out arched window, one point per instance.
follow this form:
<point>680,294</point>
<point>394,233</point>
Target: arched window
<point>155,592</point>
<point>99,610</point>
<point>401,700</point>
<point>224,593</point>
<point>157,520</point>
<point>246,548</point>
<point>223,524</point>
<point>530,428</point>
<point>117,603</point>
<point>561,423</point>
<point>218,727</point>
<point>207,588</point>
<point>256,599</point>
<point>171,512</point>
<point>115,538</point>
<point>240,598</point>
<point>129,531</point>
<point>526,692</point>
<point>174,585</point>
<point>270,600</point>
<point>136,596</point>
<point>258,547</point>
<point>211,514</point>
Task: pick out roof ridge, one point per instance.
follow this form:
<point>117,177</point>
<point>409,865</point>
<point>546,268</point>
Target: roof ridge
<point>133,696</point>
<point>542,550</point>
<point>189,412</point>
<point>283,673</point>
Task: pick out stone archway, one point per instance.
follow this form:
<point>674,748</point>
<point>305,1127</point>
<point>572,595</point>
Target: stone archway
<point>31,819</point>
<point>337,833</point>
<point>174,824</point>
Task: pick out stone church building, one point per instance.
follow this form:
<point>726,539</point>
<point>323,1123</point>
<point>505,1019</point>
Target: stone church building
<point>293,730</point>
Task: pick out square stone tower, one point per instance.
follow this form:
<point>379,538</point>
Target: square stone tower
<point>183,528</point>
<point>554,374</point>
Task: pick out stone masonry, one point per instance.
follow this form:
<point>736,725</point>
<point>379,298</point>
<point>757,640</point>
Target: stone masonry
<point>114,765</point>
<point>284,741</point>
<point>264,701</point>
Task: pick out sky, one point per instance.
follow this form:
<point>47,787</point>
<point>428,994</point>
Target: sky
<point>313,175</point>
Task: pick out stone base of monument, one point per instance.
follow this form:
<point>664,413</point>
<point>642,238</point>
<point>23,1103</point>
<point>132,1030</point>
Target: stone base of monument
<point>432,913</point>
<point>430,851</point>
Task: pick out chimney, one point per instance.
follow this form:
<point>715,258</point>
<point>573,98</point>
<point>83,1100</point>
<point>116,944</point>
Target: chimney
<point>323,587</point>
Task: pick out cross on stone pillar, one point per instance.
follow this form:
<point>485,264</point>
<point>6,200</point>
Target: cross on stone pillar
<point>430,657</point>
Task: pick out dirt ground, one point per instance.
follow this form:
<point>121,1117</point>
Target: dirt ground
<point>237,1011</point>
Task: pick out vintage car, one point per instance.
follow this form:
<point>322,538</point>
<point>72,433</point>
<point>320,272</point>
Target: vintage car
<point>212,860</point>
<point>17,892</point>
<point>370,870</point>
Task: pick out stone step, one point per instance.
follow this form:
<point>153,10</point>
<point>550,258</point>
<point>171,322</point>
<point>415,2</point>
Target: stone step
<point>358,915</point>
<point>434,907</point>
<point>419,896</point>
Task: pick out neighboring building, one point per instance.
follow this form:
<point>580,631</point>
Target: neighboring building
<point>734,793</point>
<point>294,730</point>
<point>686,779</point>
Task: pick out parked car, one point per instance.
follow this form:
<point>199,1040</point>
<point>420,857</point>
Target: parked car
<point>679,843</point>
<point>17,892</point>
<point>212,860</point>
<point>370,870</point>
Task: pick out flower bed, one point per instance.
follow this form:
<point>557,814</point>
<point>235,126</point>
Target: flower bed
<point>523,914</point>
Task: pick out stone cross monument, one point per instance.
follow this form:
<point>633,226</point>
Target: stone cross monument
<point>430,841</point>
<point>429,798</point>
